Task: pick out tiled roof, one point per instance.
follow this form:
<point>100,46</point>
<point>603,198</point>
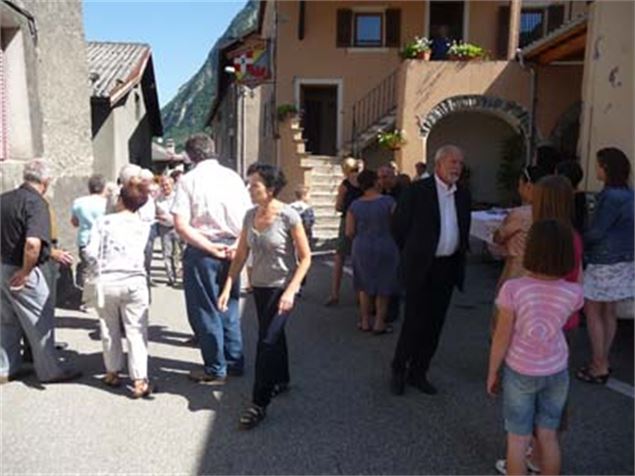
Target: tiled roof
<point>114,68</point>
<point>563,30</point>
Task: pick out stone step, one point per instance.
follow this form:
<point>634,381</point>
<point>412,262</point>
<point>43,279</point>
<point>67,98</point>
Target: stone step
<point>324,209</point>
<point>325,183</point>
<point>324,223</point>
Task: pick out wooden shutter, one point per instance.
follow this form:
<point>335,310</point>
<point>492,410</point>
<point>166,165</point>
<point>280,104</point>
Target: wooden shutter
<point>555,17</point>
<point>344,28</point>
<point>393,28</point>
<point>503,32</point>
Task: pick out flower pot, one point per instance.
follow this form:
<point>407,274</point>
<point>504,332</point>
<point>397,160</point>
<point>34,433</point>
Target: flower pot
<point>424,55</point>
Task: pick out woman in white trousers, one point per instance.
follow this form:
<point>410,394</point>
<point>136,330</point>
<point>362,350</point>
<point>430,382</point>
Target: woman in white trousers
<point>116,249</point>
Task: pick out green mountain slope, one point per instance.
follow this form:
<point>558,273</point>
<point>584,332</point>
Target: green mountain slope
<point>187,111</point>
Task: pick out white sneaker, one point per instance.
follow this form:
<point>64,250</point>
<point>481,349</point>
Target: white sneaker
<point>501,467</point>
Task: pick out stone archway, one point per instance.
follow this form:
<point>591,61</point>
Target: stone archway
<point>513,113</point>
<point>484,127</point>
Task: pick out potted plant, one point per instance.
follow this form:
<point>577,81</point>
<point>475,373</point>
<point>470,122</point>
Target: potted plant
<point>465,52</point>
<point>419,48</point>
<point>392,140</point>
<point>284,111</point>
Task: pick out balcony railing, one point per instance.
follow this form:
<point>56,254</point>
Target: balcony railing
<point>377,103</point>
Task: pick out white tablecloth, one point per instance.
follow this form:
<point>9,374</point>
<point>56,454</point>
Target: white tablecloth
<point>485,223</point>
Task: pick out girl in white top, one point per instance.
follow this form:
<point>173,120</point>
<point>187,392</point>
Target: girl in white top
<point>116,249</point>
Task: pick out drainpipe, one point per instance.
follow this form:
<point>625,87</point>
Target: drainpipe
<point>533,101</point>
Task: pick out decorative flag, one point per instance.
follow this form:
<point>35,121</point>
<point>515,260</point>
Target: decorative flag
<point>251,62</point>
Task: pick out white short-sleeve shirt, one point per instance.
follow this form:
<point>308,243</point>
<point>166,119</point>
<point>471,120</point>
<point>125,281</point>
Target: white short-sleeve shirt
<point>214,200</point>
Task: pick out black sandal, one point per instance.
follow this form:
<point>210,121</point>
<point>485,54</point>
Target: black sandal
<point>278,389</point>
<point>584,374</point>
<point>251,417</point>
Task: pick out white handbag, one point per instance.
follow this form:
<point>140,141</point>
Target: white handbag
<point>94,288</point>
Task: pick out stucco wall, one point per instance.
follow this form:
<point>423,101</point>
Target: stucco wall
<point>316,56</point>
<point>608,90</point>
<point>59,102</point>
<point>125,135</point>
<point>228,127</point>
<point>103,138</point>
<point>423,85</point>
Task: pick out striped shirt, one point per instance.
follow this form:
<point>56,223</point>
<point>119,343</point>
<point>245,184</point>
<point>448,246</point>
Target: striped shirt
<point>538,346</point>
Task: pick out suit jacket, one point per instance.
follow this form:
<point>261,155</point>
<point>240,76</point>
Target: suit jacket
<point>417,227</point>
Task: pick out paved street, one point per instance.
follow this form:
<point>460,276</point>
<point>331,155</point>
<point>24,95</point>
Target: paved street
<point>338,418</point>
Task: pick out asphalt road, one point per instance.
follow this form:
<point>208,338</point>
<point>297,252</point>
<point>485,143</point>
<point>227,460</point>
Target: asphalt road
<point>338,418</point>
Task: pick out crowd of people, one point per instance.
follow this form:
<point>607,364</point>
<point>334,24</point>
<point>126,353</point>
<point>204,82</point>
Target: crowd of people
<point>558,261</point>
<point>407,240</point>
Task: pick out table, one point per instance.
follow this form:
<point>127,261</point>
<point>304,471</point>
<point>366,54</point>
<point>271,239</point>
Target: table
<point>484,224</point>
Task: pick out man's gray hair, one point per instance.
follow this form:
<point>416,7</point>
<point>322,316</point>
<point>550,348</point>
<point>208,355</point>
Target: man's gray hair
<point>37,171</point>
<point>446,150</point>
<point>96,183</point>
<point>200,147</point>
<point>128,172</point>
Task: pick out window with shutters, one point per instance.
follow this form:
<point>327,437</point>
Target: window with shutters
<point>368,29</point>
<point>535,22</point>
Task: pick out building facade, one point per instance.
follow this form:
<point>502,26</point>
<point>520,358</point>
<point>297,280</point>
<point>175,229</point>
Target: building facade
<point>554,73</point>
<point>45,107</point>
<point>125,113</point>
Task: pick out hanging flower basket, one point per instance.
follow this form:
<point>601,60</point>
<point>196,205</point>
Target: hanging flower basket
<point>392,140</point>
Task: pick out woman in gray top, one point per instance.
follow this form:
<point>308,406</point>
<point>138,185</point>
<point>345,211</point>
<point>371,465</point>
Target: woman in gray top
<point>273,233</point>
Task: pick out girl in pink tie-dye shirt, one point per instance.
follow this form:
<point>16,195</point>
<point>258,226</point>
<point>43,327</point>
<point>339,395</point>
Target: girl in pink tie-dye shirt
<point>529,340</point>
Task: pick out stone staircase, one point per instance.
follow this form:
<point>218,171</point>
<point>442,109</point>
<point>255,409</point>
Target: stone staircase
<point>324,179</point>
<point>321,173</point>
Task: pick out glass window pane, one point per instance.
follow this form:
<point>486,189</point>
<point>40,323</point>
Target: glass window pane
<point>531,26</point>
<point>368,30</point>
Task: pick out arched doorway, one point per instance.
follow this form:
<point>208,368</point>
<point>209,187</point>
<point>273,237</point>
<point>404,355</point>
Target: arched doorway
<point>487,129</point>
<point>483,138</point>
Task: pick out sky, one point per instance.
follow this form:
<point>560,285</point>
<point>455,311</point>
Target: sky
<point>180,33</point>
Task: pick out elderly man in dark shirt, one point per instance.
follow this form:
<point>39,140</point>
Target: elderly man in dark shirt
<point>25,307</point>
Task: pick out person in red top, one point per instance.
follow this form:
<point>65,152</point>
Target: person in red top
<point>553,197</point>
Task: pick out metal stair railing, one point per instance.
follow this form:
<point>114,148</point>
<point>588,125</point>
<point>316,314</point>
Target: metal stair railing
<point>378,102</point>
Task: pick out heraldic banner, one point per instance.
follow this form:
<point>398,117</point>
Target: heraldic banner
<point>252,63</point>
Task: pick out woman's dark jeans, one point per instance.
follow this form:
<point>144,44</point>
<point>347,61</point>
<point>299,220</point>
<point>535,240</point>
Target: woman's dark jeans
<point>272,361</point>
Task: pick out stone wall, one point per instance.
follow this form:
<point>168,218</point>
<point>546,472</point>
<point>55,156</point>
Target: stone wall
<point>59,106</point>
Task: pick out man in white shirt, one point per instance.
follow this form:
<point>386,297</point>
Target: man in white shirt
<point>170,243</point>
<point>431,227</point>
<point>209,207</point>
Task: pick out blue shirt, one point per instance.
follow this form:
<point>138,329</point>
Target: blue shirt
<point>87,210</point>
<point>609,238</point>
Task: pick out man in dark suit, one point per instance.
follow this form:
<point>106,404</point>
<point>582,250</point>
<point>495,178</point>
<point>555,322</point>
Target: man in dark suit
<point>431,226</point>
